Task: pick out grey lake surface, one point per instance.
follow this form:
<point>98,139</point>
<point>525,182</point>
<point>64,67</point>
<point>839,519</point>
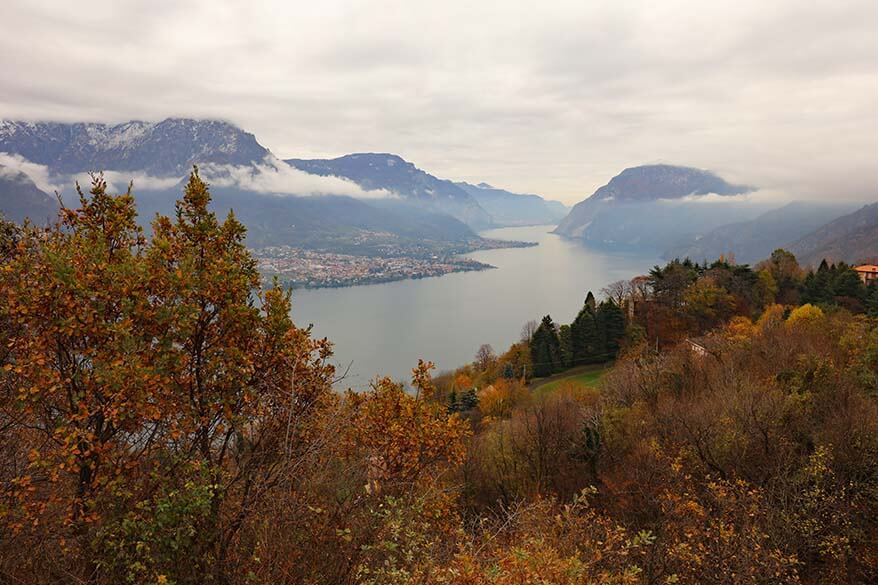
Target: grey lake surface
<point>384,329</point>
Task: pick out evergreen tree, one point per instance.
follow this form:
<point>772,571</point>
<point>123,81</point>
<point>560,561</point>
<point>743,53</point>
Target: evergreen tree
<point>468,400</point>
<point>565,336</point>
<point>817,287</point>
<point>871,300</point>
<point>833,283</point>
<point>847,283</point>
<point>610,321</point>
<point>669,283</point>
<point>590,301</point>
<point>545,348</point>
<point>585,338</point>
<point>453,404</point>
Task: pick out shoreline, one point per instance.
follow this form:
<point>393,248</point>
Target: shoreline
<point>301,269</point>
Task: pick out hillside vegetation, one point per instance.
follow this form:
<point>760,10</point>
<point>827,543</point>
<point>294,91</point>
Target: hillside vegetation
<point>163,420</point>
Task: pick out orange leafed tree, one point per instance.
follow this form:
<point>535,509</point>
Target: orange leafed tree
<point>139,374</point>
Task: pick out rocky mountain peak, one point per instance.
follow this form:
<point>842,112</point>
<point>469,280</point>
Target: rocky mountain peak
<point>166,148</point>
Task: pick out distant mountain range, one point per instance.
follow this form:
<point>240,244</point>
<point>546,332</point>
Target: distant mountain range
<point>160,154</point>
<point>685,212</point>
<point>166,148</point>
<point>680,211</point>
<point>20,198</point>
<point>657,207</point>
<point>511,209</point>
<point>391,173</point>
<point>755,240</point>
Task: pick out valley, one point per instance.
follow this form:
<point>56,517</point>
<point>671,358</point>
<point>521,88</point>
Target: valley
<point>448,318</point>
<point>438,293</point>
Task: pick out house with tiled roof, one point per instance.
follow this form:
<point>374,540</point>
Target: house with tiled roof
<point>868,272</point>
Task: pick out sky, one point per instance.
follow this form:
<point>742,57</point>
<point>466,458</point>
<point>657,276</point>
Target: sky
<point>548,97</point>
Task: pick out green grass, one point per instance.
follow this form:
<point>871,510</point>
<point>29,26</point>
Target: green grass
<point>586,377</point>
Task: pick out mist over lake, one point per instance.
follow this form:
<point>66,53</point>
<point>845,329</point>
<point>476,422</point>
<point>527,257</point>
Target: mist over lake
<point>384,329</point>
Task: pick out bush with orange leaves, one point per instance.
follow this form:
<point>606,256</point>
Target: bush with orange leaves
<point>500,398</point>
<point>405,438</point>
<point>714,532</point>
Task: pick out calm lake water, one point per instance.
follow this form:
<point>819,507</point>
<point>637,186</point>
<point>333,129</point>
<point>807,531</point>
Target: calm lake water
<point>385,328</point>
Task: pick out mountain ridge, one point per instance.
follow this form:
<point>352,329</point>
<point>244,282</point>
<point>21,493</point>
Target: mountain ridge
<point>166,148</point>
<point>388,171</point>
<point>21,199</point>
<point>646,183</point>
<point>754,240</point>
<point>642,208</point>
<point>849,238</point>
<point>515,209</point>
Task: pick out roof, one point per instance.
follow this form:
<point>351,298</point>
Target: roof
<point>866,268</point>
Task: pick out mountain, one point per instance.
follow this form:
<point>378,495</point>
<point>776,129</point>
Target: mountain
<point>20,198</point>
<point>169,148</point>
<point>512,209</point>
<point>850,238</point>
<point>327,222</point>
<point>166,148</point>
<point>751,241</point>
<point>390,172</point>
<point>657,207</point>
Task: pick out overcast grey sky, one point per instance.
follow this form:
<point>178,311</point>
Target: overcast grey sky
<point>547,97</point>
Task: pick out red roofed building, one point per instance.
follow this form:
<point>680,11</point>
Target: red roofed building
<point>868,272</point>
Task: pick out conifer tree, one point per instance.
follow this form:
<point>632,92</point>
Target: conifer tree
<point>610,321</point>
<point>546,348</point>
<point>585,337</point>
<point>590,301</point>
<point>565,337</point>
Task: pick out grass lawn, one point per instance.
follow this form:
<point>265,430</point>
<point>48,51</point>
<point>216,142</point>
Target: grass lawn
<point>586,376</point>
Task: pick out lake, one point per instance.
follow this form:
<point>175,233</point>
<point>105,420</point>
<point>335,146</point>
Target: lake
<point>385,328</point>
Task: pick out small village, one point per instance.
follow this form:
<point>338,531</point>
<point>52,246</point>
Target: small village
<point>298,268</point>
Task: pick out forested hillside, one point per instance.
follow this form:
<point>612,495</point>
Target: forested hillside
<point>164,420</point>
<point>850,238</point>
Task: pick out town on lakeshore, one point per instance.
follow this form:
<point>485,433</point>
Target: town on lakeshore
<point>304,268</point>
<point>299,268</point>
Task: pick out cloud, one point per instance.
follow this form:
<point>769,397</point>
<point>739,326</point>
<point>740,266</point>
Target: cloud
<point>48,182</point>
<point>271,176</point>
<point>276,177</point>
<point>758,197</point>
<point>117,181</point>
<point>553,101</point>
<point>37,173</point>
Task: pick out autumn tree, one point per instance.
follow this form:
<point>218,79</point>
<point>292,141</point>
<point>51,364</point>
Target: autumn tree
<point>619,291</point>
<point>78,384</point>
<point>485,357</point>
<point>145,374</point>
<point>786,273</point>
<point>669,283</point>
<point>528,330</point>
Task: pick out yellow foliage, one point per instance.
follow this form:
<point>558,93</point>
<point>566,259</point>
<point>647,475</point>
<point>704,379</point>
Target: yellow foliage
<point>772,317</point>
<point>740,329</point>
<point>805,315</point>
